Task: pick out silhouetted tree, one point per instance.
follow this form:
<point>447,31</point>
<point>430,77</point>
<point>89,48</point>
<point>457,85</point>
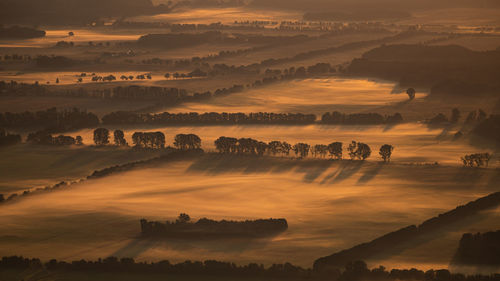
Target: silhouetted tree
<point>335,150</point>
<point>119,138</point>
<point>411,93</point>
<point>386,152</point>
<point>183,218</point>
<point>78,140</point>
<point>189,141</point>
<point>320,150</point>
<point>358,150</point>
<point>101,136</point>
<point>301,149</point>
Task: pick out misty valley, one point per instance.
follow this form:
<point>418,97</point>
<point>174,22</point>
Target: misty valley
<point>250,140</point>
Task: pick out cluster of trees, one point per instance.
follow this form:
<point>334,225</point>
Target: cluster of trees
<point>8,139</point>
<point>212,118</point>
<point>356,150</point>
<point>479,249</point>
<point>352,271</point>
<point>476,160</point>
<point>394,240</point>
<point>45,138</point>
<point>187,141</point>
<point>183,227</point>
<point>50,119</point>
<point>152,140</point>
<point>338,118</point>
<point>16,58</point>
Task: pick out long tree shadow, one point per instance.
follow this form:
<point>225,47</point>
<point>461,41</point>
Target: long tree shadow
<point>345,171</point>
<point>370,174</point>
<point>220,164</point>
<point>140,245</point>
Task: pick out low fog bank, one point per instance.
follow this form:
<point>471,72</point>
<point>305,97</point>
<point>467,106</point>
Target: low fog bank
<point>329,206</point>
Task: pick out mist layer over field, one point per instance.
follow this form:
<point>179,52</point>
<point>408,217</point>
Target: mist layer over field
<point>315,96</point>
<point>413,142</point>
<point>221,15</point>
<point>329,206</point>
<point>80,36</point>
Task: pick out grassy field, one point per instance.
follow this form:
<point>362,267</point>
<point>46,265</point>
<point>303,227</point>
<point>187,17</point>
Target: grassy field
<point>329,206</point>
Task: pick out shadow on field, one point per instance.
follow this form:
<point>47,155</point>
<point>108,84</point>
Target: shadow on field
<point>139,245</point>
<point>219,164</point>
<point>370,174</point>
<point>345,171</point>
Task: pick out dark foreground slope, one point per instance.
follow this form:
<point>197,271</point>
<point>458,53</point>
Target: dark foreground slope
<point>398,239</point>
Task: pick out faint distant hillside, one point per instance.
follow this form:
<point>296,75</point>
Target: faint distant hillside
<point>489,128</point>
<point>71,11</point>
<point>16,32</point>
<point>451,70</point>
<point>356,15</point>
<point>370,5</point>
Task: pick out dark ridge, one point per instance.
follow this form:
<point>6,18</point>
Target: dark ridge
<point>449,71</point>
<point>397,238</point>
<point>207,228</point>
<point>489,128</point>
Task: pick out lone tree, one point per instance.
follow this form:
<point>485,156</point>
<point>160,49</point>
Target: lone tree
<point>335,150</point>
<point>101,136</point>
<point>78,140</point>
<point>119,138</point>
<point>386,152</point>
<point>411,93</point>
<point>183,218</point>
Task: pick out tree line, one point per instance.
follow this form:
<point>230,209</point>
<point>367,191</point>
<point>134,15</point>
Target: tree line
<point>338,118</point>
<point>356,150</point>
<point>183,227</point>
<point>212,118</point>
<point>51,119</point>
<point>352,271</point>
